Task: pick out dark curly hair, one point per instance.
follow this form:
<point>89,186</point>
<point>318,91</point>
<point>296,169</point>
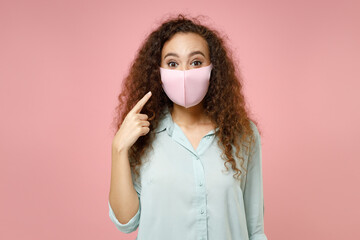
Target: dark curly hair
<point>224,102</point>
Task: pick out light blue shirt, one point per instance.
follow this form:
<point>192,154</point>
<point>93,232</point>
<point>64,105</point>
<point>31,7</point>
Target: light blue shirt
<point>186,193</point>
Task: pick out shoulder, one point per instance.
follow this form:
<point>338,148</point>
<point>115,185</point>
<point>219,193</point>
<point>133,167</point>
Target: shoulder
<point>255,130</point>
<point>255,138</point>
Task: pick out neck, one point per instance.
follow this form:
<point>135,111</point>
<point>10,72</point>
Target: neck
<point>191,116</point>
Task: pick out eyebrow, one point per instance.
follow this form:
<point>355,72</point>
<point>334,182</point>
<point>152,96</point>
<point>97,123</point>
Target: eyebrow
<point>191,54</point>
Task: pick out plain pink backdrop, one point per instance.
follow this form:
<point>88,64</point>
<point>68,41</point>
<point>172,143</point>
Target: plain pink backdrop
<point>61,65</point>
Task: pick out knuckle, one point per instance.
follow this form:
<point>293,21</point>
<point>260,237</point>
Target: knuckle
<point>145,130</point>
<point>133,118</point>
<point>140,131</point>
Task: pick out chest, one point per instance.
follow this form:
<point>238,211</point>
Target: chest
<point>196,134</point>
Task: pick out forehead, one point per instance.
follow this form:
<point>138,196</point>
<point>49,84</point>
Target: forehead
<point>182,43</point>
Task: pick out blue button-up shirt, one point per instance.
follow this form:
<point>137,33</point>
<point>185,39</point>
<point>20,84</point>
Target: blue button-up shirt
<point>186,193</point>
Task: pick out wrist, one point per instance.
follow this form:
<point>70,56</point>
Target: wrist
<point>120,150</point>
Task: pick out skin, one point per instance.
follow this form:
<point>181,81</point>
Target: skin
<point>122,196</point>
<point>193,121</point>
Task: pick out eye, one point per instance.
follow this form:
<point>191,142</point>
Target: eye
<point>169,64</point>
<point>197,62</point>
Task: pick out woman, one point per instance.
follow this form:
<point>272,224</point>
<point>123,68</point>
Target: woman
<point>170,174</point>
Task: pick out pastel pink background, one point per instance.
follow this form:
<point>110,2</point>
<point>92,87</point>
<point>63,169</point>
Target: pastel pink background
<point>61,64</point>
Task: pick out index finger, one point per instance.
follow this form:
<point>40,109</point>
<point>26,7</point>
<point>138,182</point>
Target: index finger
<point>140,104</point>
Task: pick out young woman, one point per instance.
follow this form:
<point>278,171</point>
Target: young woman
<point>186,157</point>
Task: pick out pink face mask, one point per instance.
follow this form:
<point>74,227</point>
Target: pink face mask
<point>186,88</point>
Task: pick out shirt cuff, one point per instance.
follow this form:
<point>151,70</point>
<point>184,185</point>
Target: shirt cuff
<point>258,237</point>
<point>128,227</point>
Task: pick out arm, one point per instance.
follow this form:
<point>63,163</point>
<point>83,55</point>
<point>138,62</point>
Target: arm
<point>124,196</point>
<point>253,192</point>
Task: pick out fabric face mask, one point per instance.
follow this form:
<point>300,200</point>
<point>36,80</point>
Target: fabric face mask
<point>186,87</point>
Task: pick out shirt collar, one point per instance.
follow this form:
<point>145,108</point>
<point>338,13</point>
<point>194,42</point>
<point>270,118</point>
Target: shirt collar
<point>166,123</point>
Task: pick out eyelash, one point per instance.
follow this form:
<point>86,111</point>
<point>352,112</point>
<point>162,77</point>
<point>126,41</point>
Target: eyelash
<point>193,61</point>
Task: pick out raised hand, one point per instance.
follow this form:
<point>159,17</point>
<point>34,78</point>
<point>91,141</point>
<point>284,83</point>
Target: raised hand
<point>134,125</point>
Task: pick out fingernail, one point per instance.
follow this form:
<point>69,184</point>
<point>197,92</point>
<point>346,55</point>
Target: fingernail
<point>149,92</point>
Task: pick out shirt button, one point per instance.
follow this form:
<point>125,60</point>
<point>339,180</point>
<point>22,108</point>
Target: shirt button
<point>201,184</point>
<point>202,211</point>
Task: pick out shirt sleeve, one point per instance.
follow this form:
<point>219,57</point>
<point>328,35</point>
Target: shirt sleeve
<point>253,192</point>
<point>133,223</point>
